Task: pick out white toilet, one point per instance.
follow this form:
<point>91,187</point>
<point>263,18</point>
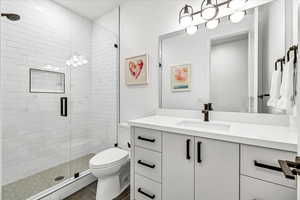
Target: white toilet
<point>106,167</point>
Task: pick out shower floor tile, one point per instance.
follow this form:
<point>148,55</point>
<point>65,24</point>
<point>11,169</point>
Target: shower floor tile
<point>89,193</point>
<point>32,185</point>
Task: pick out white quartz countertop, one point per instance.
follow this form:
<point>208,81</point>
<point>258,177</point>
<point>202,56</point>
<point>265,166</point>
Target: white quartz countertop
<point>277,137</point>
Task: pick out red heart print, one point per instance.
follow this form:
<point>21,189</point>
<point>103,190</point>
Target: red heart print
<point>136,68</point>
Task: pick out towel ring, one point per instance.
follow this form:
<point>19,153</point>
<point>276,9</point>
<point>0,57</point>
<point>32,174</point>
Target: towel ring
<point>281,61</point>
<point>293,49</point>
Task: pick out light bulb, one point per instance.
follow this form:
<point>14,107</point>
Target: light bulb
<point>209,11</point>
<point>212,24</point>
<point>186,20</point>
<point>85,62</point>
<point>75,58</point>
<point>68,62</point>
<point>237,16</point>
<point>191,29</point>
<point>237,4</point>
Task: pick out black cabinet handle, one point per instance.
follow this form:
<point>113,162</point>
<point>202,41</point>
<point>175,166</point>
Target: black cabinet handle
<point>64,106</point>
<point>146,165</point>
<point>261,165</point>
<point>199,152</point>
<point>188,144</point>
<point>151,196</point>
<point>146,139</point>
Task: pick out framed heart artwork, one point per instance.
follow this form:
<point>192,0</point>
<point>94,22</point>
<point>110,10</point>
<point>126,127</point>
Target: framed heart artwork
<point>136,70</point>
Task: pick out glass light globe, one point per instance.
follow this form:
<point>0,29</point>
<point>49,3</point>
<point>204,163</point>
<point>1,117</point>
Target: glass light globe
<point>237,4</point>
<point>191,29</point>
<point>237,16</point>
<point>186,20</point>
<point>75,58</point>
<point>212,24</point>
<point>68,62</point>
<point>209,12</point>
<point>85,62</point>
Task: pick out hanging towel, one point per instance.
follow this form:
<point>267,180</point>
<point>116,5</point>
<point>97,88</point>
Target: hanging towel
<point>287,87</point>
<point>275,88</point>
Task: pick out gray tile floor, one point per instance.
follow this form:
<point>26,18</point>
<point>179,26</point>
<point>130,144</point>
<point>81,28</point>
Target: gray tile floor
<point>29,186</point>
<point>89,193</point>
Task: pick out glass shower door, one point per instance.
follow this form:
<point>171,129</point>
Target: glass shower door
<point>35,86</point>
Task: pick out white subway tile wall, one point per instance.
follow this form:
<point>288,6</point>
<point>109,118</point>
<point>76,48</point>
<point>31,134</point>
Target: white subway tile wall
<point>104,97</point>
<point>35,136</point>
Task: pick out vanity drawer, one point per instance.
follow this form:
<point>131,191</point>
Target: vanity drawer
<point>148,138</point>
<point>148,163</point>
<point>146,189</point>
<point>252,157</point>
<point>252,188</point>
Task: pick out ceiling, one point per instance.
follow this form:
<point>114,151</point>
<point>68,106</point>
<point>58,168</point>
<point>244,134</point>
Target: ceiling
<point>91,9</point>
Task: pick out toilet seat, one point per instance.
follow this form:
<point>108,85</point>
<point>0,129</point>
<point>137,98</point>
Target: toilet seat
<point>109,158</point>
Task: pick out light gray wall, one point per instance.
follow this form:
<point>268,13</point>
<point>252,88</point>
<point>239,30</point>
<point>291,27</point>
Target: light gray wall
<point>229,76</point>
<point>142,22</point>
<point>104,82</point>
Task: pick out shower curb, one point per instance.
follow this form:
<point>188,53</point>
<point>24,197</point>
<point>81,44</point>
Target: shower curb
<point>66,188</point>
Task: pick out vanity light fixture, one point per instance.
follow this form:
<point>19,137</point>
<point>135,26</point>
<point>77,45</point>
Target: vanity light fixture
<point>237,16</point>
<point>237,4</point>
<point>191,29</point>
<point>186,16</point>
<point>209,10</point>
<point>212,24</point>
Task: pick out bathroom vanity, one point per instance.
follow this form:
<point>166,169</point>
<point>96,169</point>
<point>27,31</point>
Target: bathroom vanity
<point>176,158</point>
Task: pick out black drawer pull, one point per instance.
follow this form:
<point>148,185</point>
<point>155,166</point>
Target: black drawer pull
<point>261,165</point>
<point>145,164</point>
<point>145,194</point>
<point>146,139</point>
<point>199,152</point>
<point>188,144</point>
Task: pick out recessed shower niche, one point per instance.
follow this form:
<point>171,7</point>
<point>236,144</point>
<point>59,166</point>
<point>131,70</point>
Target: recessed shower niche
<point>43,81</point>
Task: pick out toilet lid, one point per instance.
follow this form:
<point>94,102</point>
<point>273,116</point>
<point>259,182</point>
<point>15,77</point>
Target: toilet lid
<point>108,158</point>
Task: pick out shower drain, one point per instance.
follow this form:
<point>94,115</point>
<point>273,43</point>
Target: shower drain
<point>59,178</point>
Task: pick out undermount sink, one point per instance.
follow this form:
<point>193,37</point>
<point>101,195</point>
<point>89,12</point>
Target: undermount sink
<point>204,125</point>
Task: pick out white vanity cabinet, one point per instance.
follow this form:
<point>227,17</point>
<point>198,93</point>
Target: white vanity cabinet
<point>178,167</point>
<point>261,177</point>
<point>255,189</point>
<point>174,166</point>
<point>198,168</point>
<point>216,169</point>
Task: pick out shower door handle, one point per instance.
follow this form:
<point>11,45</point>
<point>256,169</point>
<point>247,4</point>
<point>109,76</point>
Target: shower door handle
<point>64,106</point>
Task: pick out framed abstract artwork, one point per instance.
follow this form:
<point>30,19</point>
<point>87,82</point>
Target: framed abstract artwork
<point>136,70</point>
<point>181,78</point>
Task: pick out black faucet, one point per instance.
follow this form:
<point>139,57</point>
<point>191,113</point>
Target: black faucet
<point>207,108</point>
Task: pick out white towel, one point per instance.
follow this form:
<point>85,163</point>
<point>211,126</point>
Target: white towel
<point>275,88</point>
<point>287,87</point>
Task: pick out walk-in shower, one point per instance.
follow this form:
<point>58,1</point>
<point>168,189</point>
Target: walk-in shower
<point>57,111</point>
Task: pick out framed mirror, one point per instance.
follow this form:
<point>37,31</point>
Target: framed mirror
<point>230,66</point>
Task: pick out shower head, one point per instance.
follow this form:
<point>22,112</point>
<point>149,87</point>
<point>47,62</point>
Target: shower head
<point>11,16</point>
